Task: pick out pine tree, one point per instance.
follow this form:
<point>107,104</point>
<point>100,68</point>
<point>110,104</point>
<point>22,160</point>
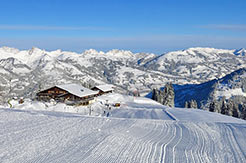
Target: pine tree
<point>186,104</point>
<point>235,112</point>
<point>229,108</point>
<point>168,95</point>
<point>154,94</point>
<point>165,97</point>
<point>191,104</point>
<point>212,107</point>
<point>223,107</point>
<point>243,113</point>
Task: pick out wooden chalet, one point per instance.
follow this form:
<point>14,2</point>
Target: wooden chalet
<point>68,93</point>
<point>107,88</point>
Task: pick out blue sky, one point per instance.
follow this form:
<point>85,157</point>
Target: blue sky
<point>154,26</point>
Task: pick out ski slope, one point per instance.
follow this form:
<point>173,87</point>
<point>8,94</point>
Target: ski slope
<point>170,135</point>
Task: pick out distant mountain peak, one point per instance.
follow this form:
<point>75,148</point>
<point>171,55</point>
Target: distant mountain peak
<point>9,49</point>
<point>91,51</point>
<point>35,50</point>
<point>117,52</point>
<point>113,52</point>
<point>200,48</point>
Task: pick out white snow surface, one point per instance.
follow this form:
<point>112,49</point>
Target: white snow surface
<point>77,90</point>
<point>105,87</point>
<point>140,130</point>
<point>225,90</point>
<point>229,93</point>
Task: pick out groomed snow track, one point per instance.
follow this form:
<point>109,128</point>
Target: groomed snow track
<point>29,137</point>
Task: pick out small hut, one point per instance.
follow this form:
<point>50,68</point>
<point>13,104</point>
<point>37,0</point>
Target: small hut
<point>107,88</point>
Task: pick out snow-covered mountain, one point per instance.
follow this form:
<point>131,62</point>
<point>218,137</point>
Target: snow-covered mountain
<point>230,86</point>
<point>24,72</point>
<point>198,65</point>
<point>226,95</point>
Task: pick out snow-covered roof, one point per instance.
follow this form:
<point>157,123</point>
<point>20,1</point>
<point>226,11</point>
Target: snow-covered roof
<point>77,90</point>
<point>106,87</point>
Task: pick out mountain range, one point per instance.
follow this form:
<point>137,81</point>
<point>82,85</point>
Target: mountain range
<point>24,72</point>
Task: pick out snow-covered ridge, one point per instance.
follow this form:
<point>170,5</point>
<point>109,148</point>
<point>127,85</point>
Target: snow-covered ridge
<point>199,63</point>
<point>206,52</point>
<point>34,55</point>
<point>36,51</point>
<point>194,55</point>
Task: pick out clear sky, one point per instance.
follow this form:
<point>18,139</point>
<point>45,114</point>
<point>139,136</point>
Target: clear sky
<point>154,26</point>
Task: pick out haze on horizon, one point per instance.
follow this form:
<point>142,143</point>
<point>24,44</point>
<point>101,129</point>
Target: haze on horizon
<point>140,26</point>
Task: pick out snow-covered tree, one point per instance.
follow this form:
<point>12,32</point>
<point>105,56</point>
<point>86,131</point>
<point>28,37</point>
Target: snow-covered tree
<point>168,94</point>
<point>191,104</point>
<point>165,97</point>
<point>235,111</point>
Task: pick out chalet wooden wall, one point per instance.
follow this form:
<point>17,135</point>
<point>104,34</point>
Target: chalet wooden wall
<point>61,95</point>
